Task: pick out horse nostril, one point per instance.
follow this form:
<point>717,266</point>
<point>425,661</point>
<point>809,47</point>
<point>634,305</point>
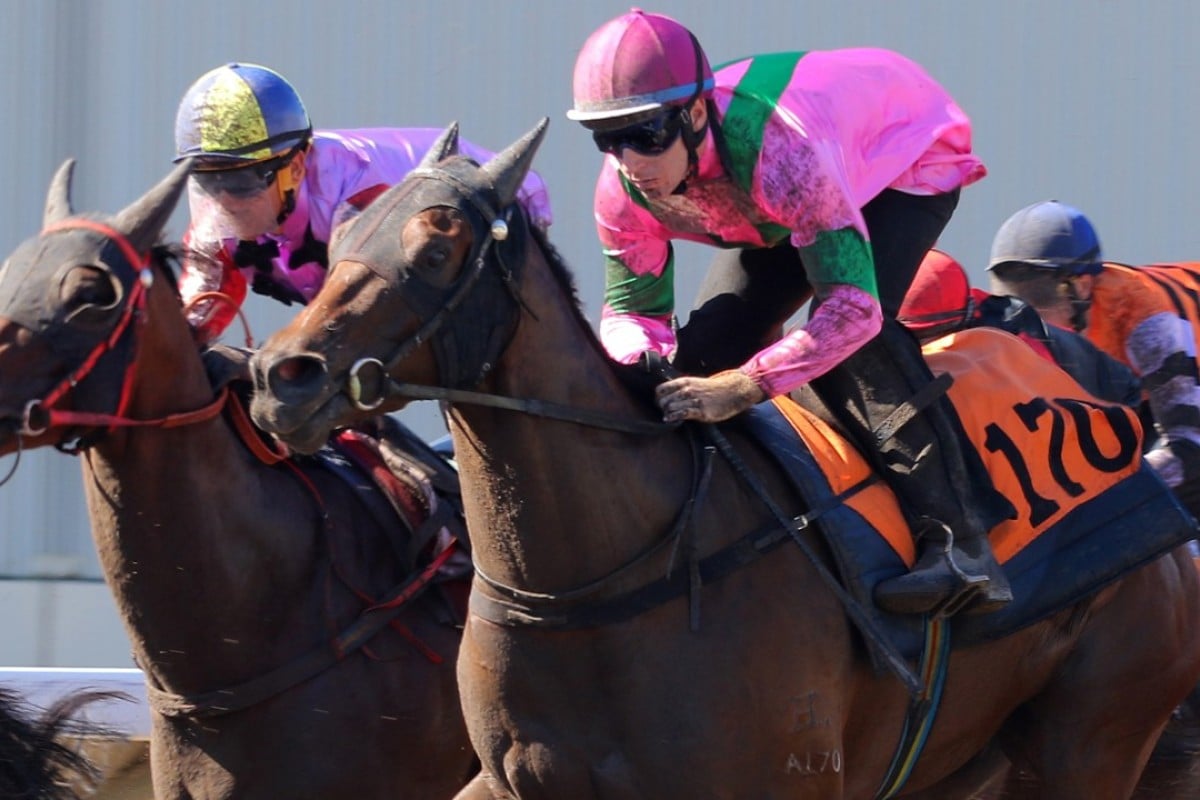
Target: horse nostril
<point>296,373</point>
<point>289,370</point>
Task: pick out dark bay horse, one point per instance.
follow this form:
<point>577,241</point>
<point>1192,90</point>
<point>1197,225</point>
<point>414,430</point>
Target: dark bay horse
<point>576,497</point>
<point>242,581</point>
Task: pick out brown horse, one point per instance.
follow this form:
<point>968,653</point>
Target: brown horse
<point>577,500</point>
<point>242,584</point>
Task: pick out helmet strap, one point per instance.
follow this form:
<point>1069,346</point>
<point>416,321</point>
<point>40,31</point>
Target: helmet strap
<point>287,187</point>
<point>287,206</point>
<point>693,155</point>
<point>1079,307</point>
<point>692,138</point>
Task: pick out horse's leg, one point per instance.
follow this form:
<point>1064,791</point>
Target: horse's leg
<point>477,789</point>
<point>1088,735</point>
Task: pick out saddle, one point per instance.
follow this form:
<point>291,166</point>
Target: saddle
<point>1070,465</point>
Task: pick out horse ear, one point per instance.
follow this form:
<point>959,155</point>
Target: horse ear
<point>508,169</point>
<point>58,199</point>
<point>445,146</point>
<point>144,219</point>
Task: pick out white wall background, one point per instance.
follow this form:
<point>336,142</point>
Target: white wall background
<point>1088,101</point>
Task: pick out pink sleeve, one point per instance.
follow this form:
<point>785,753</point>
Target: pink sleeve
<point>626,336</point>
<point>844,322</point>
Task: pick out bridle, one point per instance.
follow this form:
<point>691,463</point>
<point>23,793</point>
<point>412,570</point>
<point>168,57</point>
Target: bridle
<point>43,414</point>
<point>499,250</point>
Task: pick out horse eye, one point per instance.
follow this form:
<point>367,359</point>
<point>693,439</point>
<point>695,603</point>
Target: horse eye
<point>87,285</point>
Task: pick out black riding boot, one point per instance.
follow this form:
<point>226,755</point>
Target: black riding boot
<point>940,481</point>
<point>951,574</point>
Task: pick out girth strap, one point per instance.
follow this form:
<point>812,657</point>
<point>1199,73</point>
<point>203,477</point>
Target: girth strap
<point>514,613</point>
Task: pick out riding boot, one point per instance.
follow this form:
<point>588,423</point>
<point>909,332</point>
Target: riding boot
<point>886,398</point>
<point>951,574</point>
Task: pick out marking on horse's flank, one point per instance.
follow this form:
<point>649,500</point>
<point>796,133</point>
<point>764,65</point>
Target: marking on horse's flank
<point>805,716</point>
<point>813,763</point>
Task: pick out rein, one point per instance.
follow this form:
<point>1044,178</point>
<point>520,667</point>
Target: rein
<point>497,230</point>
<point>532,406</point>
<point>55,418</point>
<point>257,690</point>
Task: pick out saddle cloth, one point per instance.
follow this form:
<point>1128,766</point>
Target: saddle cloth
<point>1089,509</point>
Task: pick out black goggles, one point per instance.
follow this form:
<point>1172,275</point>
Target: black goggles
<point>241,181</point>
<point>650,137</point>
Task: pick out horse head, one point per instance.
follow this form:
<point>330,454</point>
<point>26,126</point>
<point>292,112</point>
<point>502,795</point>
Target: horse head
<point>70,301</point>
<point>411,294</point>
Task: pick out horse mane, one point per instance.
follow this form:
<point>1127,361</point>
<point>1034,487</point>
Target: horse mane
<point>35,762</point>
<point>638,380</point>
<point>170,257</point>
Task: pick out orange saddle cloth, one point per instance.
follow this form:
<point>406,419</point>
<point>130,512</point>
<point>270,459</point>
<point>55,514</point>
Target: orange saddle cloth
<point>1088,508</point>
<point>1049,446</point>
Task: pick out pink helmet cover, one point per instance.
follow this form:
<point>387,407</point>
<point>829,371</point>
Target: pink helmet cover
<point>635,63</point>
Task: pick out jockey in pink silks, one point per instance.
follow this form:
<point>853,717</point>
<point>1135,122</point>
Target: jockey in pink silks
<point>822,176</point>
<point>268,191</point>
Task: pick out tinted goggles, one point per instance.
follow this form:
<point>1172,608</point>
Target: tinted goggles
<point>650,137</point>
<point>243,181</point>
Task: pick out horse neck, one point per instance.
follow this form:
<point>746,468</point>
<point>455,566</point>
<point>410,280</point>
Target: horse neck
<point>553,504</point>
<point>167,377</point>
<point>176,514</point>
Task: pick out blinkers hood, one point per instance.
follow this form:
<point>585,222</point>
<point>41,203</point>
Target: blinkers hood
<point>486,197</point>
<point>28,295</point>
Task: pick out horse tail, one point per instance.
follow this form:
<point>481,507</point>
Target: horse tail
<point>37,760</point>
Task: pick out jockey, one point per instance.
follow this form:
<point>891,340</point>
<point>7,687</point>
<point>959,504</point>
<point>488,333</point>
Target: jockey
<point>823,175</point>
<point>941,301</point>
<point>268,191</point>
<point>1048,254</point>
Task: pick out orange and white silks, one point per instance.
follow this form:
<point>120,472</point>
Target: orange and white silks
<point>1049,446</point>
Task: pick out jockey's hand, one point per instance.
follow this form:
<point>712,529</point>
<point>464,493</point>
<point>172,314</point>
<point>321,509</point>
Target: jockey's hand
<point>712,399</point>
